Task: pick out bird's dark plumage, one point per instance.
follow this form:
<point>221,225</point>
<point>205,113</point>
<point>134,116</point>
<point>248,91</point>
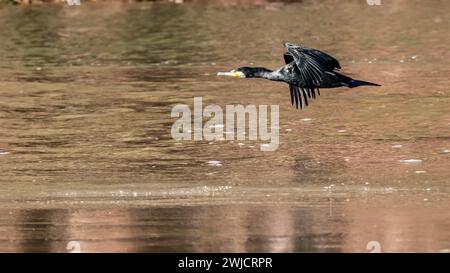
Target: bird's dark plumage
<point>306,71</point>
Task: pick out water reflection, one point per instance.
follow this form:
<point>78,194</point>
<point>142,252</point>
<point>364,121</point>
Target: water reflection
<point>198,228</point>
<point>225,228</point>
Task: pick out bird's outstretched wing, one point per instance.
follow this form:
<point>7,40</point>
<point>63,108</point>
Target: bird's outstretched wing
<point>311,65</point>
<point>327,61</point>
<point>298,96</point>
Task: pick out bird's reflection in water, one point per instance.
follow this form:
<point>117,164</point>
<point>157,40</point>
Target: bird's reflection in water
<point>348,227</point>
<point>233,228</point>
<point>35,230</point>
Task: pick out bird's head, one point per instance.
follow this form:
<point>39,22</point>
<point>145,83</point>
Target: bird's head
<point>245,72</point>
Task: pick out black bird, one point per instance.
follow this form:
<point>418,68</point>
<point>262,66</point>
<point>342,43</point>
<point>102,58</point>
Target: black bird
<point>306,71</point>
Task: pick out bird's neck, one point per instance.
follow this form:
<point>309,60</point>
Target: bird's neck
<point>261,72</point>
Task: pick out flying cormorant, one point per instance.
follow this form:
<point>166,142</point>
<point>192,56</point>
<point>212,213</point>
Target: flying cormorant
<point>306,71</point>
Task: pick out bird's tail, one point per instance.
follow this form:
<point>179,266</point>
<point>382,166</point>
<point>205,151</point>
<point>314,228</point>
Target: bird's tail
<point>356,83</point>
<point>347,81</point>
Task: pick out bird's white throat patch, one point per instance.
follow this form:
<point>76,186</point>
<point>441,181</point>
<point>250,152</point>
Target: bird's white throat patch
<point>191,126</point>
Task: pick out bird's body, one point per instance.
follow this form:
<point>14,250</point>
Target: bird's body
<point>306,71</point>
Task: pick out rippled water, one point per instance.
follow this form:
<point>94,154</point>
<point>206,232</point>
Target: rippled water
<point>86,152</point>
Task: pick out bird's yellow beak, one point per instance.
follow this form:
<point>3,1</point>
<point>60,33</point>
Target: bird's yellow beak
<point>232,73</point>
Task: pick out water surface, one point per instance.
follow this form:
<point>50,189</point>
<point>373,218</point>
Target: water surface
<point>86,152</point>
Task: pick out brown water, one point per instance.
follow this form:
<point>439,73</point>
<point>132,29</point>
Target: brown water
<point>86,153</point>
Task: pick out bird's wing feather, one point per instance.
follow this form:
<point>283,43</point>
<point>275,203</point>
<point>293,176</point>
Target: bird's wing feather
<point>310,66</point>
<point>296,95</point>
<point>323,58</point>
